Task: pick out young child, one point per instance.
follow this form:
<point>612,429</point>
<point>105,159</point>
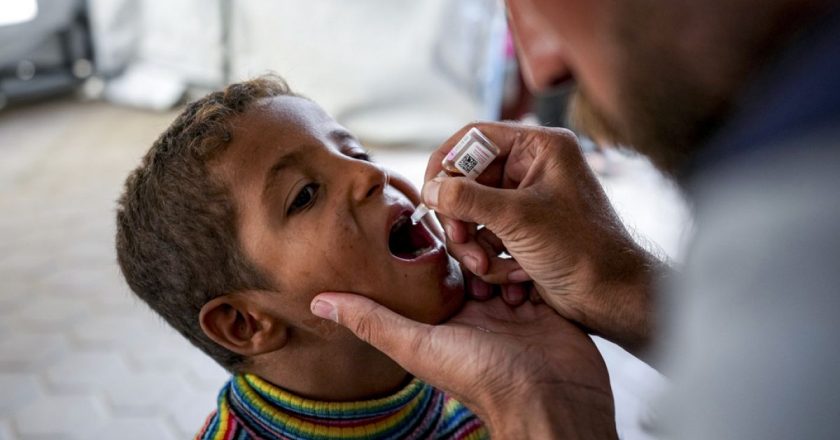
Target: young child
<point>250,204</point>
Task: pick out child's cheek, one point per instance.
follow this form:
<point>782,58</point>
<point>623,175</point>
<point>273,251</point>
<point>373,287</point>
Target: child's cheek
<point>404,185</point>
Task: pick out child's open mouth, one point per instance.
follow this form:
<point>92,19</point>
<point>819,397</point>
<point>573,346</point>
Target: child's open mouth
<point>410,242</point>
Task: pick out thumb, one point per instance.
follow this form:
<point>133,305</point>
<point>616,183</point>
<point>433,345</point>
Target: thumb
<point>398,337</point>
<point>465,199</point>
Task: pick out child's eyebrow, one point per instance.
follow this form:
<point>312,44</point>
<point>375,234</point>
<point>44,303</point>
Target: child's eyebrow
<point>284,161</point>
<point>341,135</point>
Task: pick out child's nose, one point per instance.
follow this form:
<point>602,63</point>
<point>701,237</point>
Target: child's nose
<point>369,180</point>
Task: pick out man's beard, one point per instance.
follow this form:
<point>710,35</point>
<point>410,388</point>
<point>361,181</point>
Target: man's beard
<point>663,112</point>
<point>664,108</point>
<point>666,120</point>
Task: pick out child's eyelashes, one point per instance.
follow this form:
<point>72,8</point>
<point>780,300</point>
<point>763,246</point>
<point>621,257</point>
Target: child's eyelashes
<point>362,155</point>
<point>309,193</point>
<point>304,198</point>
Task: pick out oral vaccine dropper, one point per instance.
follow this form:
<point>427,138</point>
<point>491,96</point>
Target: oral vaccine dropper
<point>468,158</point>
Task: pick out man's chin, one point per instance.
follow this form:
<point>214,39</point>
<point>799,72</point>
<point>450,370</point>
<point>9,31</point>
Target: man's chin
<point>585,118</point>
<point>645,128</point>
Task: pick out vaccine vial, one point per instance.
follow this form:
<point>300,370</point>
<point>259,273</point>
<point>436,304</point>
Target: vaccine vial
<point>468,158</point>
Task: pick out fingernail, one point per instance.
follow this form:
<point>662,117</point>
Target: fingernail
<point>430,193</point>
<point>471,263</point>
<point>516,293</point>
<point>324,310</point>
<point>448,228</point>
<point>514,297</point>
<point>518,276</point>
<point>480,289</point>
<point>508,296</point>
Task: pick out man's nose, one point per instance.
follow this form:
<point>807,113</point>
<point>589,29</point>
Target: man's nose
<point>541,55</point>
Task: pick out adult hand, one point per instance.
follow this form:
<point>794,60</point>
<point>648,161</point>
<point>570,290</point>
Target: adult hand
<point>526,372</point>
<point>540,202</point>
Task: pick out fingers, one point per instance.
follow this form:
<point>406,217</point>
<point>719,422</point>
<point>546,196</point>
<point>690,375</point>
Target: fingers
<point>456,230</point>
<point>518,144</point>
<point>433,167</point>
<point>514,294</point>
<point>481,256</point>
<point>523,153</point>
<point>502,134</point>
<point>468,200</point>
<point>398,337</point>
<point>477,288</point>
<point>472,255</point>
<point>488,272</point>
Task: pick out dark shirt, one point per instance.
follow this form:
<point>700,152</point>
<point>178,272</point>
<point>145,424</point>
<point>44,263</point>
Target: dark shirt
<point>797,95</point>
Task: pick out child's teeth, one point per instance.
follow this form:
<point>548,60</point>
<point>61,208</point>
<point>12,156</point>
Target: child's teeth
<point>422,251</point>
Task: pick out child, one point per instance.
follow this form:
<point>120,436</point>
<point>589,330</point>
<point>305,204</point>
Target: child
<point>249,205</point>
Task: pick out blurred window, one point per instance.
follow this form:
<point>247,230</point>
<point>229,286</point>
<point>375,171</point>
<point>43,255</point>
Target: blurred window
<point>18,11</point>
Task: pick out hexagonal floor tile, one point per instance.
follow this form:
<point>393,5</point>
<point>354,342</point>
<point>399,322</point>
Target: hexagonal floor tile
<point>49,313</point>
<point>144,393</point>
<point>189,410</point>
<point>162,355</point>
<point>18,389</point>
<point>83,279</point>
<point>23,351</point>
<point>74,416</point>
<point>205,372</point>
<point>117,300</point>
<point>110,330</point>
<point>6,431</point>
<point>13,295</point>
<point>30,263</point>
<point>136,428</point>
<point>87,372</point>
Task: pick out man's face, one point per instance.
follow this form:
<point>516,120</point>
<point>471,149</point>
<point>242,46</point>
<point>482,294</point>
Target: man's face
<point>314,214</point>
<point>637,72</point>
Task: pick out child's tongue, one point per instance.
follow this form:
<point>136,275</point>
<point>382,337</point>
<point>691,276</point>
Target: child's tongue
<point>409,241</point>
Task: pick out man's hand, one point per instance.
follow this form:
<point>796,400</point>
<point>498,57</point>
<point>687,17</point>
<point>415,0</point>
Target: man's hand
<point>526,372</point>
<point>540,202</point>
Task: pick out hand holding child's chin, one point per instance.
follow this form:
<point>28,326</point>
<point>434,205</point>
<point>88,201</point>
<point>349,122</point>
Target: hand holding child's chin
<point>496,359</point>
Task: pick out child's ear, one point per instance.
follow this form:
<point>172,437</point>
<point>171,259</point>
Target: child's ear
<point>237,322</point>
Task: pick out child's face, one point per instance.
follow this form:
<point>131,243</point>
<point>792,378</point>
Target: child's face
<point>315,215</point>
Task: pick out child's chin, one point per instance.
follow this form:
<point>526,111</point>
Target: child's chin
<point>451,291</point>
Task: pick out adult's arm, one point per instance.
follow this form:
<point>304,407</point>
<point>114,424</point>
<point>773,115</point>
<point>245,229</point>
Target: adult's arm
<point>526,372</point>
<point>542,201</point>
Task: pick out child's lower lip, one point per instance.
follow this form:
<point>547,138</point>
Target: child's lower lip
<point>435,254</point>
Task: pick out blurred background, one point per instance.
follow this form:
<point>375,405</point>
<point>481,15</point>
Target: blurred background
<point>87,85</point>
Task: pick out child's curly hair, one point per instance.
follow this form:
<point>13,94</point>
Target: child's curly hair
<point>176,231</point>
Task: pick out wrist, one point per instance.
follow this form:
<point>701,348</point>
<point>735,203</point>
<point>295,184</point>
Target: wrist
<point>626,312</point>
<point>567,411</point>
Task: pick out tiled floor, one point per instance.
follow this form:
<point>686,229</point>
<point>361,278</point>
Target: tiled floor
<point>80,358</point>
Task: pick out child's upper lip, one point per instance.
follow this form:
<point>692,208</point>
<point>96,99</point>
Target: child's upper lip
<point>397,211</point>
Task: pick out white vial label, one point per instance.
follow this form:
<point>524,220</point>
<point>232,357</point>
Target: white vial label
<point>475,160</point>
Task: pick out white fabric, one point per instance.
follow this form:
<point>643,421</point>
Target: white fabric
<point>181,36</point>
<point>394,72</point>
<point>754,320</point>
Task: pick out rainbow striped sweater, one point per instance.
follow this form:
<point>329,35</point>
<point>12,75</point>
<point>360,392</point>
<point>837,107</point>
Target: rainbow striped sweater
<point>251,408</point>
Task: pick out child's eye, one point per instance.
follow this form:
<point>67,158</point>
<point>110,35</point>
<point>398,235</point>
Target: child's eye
<point>362,155</point>
<point>304,198</point>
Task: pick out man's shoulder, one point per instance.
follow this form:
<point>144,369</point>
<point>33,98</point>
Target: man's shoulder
<point>770,215</point>
<point>790,186</point>
<point>753,319</point>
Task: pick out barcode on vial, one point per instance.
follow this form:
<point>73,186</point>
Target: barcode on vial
<point>467,163</point>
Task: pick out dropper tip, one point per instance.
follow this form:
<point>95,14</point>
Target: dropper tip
<point>419,213</point>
